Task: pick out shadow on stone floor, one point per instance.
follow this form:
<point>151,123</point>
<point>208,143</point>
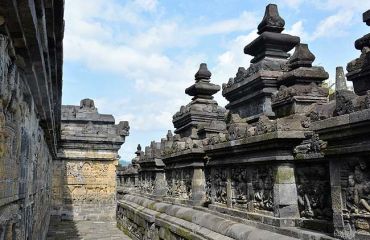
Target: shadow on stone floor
<point>61,230</point>
<point>84,230</point>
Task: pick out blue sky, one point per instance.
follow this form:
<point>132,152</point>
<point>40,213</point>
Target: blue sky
<point>135,58</point>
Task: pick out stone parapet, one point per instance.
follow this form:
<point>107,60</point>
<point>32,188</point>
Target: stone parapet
<point>170,221</point>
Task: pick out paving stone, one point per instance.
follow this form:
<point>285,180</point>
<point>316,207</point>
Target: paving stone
<point>84,230</point>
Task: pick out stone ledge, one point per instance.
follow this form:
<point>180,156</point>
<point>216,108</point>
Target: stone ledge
<point>188,218</point>
<point>342,120</point>
<point>294,232</point>
<point>257,217</point>
<point>277,135</point>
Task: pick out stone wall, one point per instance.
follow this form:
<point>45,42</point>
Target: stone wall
<point>25,168</point>
<point>30,90</point>
<point>284,157</point>
<point>84,176</point>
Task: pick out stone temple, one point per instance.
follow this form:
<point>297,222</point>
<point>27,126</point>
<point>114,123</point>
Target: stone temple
<point>283,160</point>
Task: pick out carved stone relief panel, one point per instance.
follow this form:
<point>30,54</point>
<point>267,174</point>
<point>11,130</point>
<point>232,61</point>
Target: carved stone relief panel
<point>313,188</point>
<point>25,160</point>
<point>208,177</point>
<point>89,182</point>
<point>262,180</point>
<point>239,184</point>
<point>186,187</point>
<point>179,183</point>
<point>356,194</point>
<point>219,182</point>
<point>147,182</point>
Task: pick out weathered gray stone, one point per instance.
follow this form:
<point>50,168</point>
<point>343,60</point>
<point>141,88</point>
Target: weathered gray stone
<point>340,79</point>
<point>218,227</point>
<point>283,162</point>
<point>300,85</point>
<point>30,97</point>
<point>267,163</point>
<point>251,90</point>
<point>202,111</point>
<point>366,17</point>
<point>85,172</point>
<point>359,69</point>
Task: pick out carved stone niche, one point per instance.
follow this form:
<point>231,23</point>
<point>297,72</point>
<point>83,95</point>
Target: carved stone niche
<point>218,181</point>
<point>314,199</point>
<point>184,161</point>
<point>355,180</point>
<point>262,182</point>
<point>241,188</point>
<point>179,184</point>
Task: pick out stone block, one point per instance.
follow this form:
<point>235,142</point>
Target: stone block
<point>288,211</point>
<point>284,174</point>
<point>285,194</point>
<point>336,199</point>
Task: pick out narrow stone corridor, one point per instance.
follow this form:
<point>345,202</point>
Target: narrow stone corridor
<point>84,230</point>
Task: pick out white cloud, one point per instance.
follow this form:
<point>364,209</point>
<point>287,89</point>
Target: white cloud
<point>148,5</point>
<point>160,120</point>
<point>230,60</point>
<point>349,5</point>
<point>294,4</point>
<point>140,55</point>
<point>246,21</point>
<point>297,29</point>
<point>333,26</point>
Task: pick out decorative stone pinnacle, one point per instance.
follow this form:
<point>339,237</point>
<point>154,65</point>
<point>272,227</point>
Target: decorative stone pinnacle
<point>302,57</point>
<point>358,69</point>
<point>87,103</point>
<point>138,150</point>
<point>203,73</point>
<point>202,87</point>
<point>169,135</point>
<point>365,40</point>
<point>366,17</point>
<point>340,80</point>
<point>271,22</point>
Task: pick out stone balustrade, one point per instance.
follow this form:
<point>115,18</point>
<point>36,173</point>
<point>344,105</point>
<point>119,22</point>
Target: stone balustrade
<point>283,155</point>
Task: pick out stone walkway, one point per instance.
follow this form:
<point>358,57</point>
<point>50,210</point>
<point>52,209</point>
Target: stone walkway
<point>84,230</point>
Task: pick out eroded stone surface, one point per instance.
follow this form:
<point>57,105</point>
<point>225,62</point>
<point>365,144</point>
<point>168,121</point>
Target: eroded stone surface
<point>30,96</point>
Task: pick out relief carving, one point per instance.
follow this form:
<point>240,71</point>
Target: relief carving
<point>179,183</point>
<point>220,184</point>
<point>313,189</point>
<point>358,192</point>
<point>240,185</point>
<point>311,145</point>
<point>357,196</point>
<point>263,189</point>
